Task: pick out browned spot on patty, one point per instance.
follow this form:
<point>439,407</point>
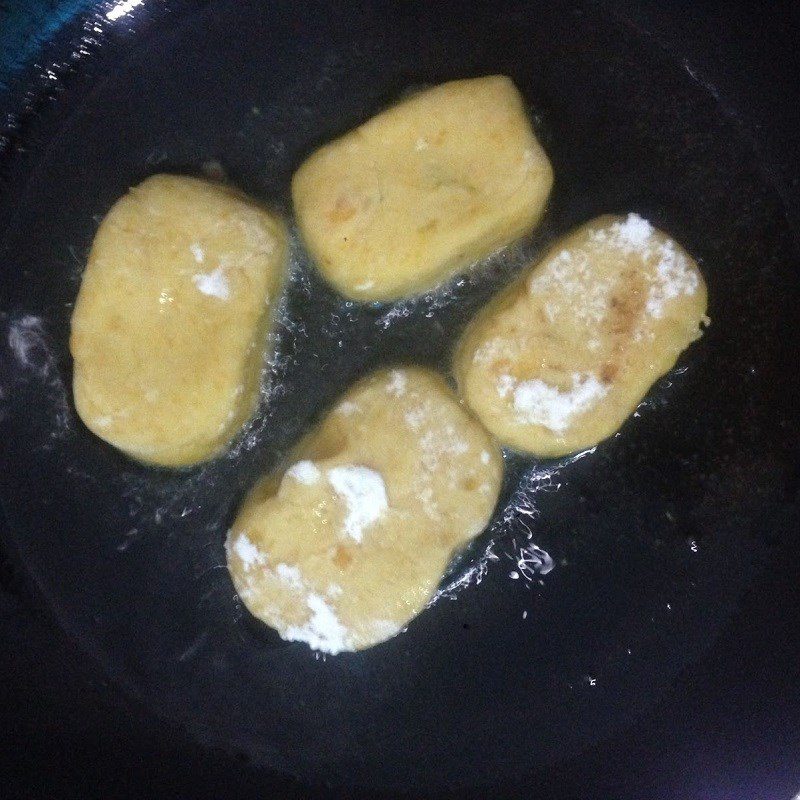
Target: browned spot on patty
<point>428,226</point>
<point>342,558</point>
<point>342,210</point>
<point>626,306</point>
<point>608,372</point>
<point>470,483</point>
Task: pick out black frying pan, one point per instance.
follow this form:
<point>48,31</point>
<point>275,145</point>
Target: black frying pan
<point>655,536</point>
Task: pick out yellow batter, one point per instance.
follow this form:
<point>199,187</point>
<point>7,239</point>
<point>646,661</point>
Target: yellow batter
<point>171,319</point>
<point>349,543</point>
<point>422,190</point>
<point>560,360</point>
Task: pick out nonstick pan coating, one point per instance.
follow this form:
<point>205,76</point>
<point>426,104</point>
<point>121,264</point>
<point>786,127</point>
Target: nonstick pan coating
<point>654,536</point>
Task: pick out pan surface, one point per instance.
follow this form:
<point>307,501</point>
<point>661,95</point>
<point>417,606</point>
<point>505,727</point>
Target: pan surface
<point>654,536</point>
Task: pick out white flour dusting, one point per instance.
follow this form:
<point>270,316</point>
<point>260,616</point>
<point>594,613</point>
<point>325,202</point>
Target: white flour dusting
<point>385,628</point>
<point>490,351</point>
<point>247,552</point>
<point>346,408</point>
<point>634,231</point>
<point>256,235</point>
<point>429,505</point>
<point>398,380</point>
<point>305,472</point>
<point>289,575</point>
<point>586,294</point>
<point>633,234</point>
<point>197,252</point>
<point>670,274</point>
<point>673,277</point>
<point>415,418</point>
<point>505,385</point>
<point>571,277</point>
<point>364,494</point>
<point>539,403</point>
<point>437,443</point>
<point>213,284</point>
<point>323,631</point>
